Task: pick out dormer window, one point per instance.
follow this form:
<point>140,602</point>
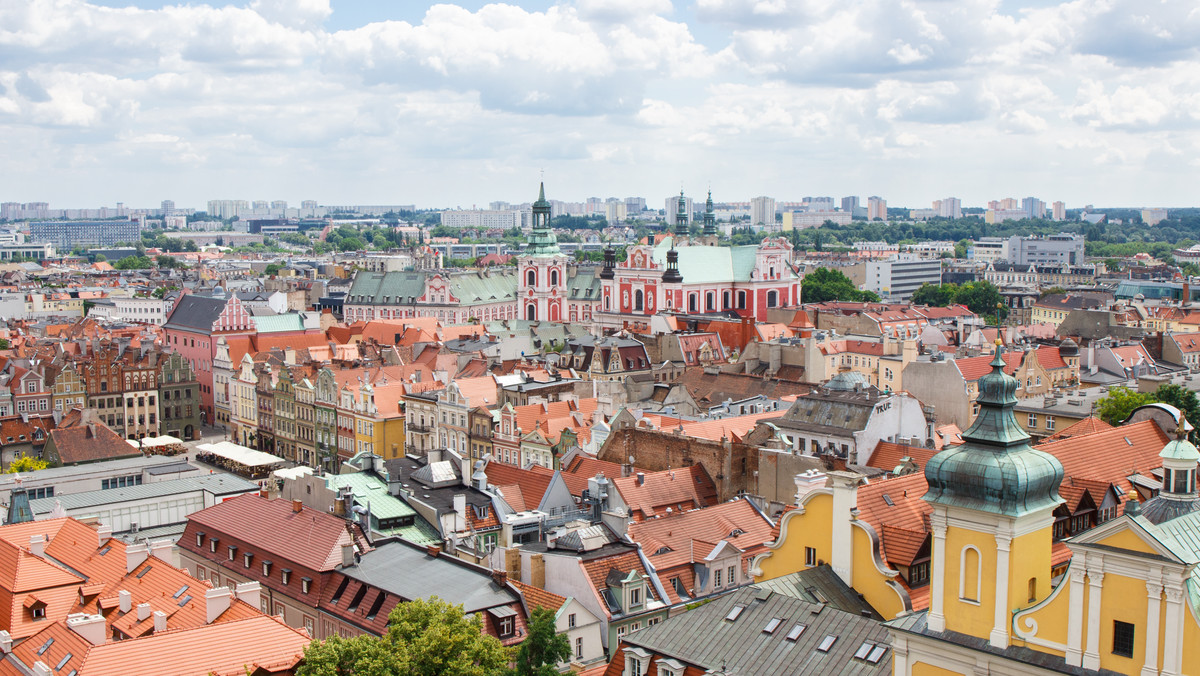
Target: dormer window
<point>306,584</point>
<point>232,551</point>
<point>212,545</point>
<point>266,567</point>
<point>285,574</point>
<point>199,539</point>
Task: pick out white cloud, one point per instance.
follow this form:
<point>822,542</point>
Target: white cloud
<point>755,96</point>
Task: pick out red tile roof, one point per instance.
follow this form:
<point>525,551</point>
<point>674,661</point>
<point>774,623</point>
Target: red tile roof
<point>1089,425</point>
<point>1110,455</point>
<point>682,489</point>
<point>536,597</point>
<point>888,456</point>
<point>310,538</point>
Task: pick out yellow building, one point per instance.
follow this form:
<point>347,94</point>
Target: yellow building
<point>1127,604</point>
<point>378,420</point>
<point>69,390</point>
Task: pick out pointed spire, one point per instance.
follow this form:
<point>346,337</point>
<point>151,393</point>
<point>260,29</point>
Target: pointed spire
<point>542,191</point>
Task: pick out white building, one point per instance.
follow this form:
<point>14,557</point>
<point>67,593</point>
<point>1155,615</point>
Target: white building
<point>1063,249</point>
<point>1152,216</point>
<point>95,476</point>
<point>950,207</point>
<point>988,249</point>
<point>142,310</point>
<point>672,208</point>
<point>1059,211</point>
<point>762,211</point>
<point>896,278</point>
<point>793,220</point>
<point>922,214</point>
<point>504,219</point>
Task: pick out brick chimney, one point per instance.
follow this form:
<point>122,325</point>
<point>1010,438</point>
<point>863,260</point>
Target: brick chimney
<point>297,506</point>
<point>500,577</point>
<point>433,550</point>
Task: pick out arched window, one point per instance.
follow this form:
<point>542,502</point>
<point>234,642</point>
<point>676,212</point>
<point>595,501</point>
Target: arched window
<point>693,302</point>
<point>741,300</point>
<point>772,299</point>
<point>710,301</point>
<point>607,302</point>
<point>554,278</point>
<point>970,574</point>
<point>638,300</point>
<point>530,312</point>
<point>1032,589</point>
<point>725,301</point>
<point>531,278</point>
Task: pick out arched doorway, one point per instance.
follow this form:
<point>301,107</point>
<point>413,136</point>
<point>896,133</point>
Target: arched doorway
<point>531,312</point>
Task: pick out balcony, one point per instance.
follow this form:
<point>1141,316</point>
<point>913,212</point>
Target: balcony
<point>418,429</point>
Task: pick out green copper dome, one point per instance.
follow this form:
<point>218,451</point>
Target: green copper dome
<point>995,469</point>
<point>1180,449</point>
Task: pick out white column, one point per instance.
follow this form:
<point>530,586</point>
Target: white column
<point>900,656</point>
<point>999,637</point>
<point>937,618</point>
<point>1173,636</point>
<point>1091,656</point>
<point>1075,612</point>
<point>1154,591</point>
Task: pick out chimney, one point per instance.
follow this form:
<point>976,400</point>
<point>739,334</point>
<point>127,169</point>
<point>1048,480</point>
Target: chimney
<point>347,555</point>
<point>161,550</point>
<point>135,555</point>
<point>500,577</point>
<point>103,534</point>
<point>537,570</point>
<point>248,592</point>
<point>216,601</point>
<point>5,643</point>
<point>90,627</point>
<point>40,669</point>
<point>432,550</point>
<point>297,506</point>
<point>460,510</point>
<point>124,601</point>
<point>143,611</point>
<point>160,621</point>
<point>37,545</point>
<point>845,503</point>
<point>807,482</point>
<point>512,562</point>
<point>339,506</point>
<point>641,478</point>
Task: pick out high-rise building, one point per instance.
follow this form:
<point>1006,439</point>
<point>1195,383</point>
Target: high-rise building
<point>308,204</point>
<point>635,205</point>
<point>279,205</point>
<point>1059,211</point>
<point>614,211</point>
<point>1152,216</point>
<point>820,204</point>
<point>762,211</point>
<point>224,209</point>
<point>849,204</point>
<point>876,208</point>
<point>1033,207</point>
<point>594,206</point>
<point>672,209</point>
<point>899,276</point>
<point>950,207</point>
<point>168,208</point>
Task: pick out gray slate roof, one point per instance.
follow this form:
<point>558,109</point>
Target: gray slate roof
<point>196,313</point>
<point>410,573</point>
<point>821,585</point>
<point>217,484</point>
<point>705,638</point>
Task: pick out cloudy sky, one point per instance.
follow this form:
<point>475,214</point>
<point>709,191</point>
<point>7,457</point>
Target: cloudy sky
<point>367,101</point>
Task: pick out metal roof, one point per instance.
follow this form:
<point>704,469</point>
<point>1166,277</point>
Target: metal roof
<point>411,573</point>
<point>102,468</point>
<point>705,638</point>
<point>217,484</point>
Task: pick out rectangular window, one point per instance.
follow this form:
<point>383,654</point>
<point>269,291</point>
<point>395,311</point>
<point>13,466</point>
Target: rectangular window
<point>1033,420</point>
<point>810,556</point>
<point>729,574</point>
<point>1122,638</point>
<point>579,648</point>
<point>571,621</point>
<point>717,578</point>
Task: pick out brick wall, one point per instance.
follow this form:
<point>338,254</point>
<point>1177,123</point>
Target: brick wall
<point>732,465</point>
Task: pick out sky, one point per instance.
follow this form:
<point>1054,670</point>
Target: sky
<point>456,105</point>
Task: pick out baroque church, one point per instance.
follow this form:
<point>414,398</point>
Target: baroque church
<point>677,274</point>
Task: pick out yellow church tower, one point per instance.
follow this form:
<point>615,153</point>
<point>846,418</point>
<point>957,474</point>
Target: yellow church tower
<point>993,499</point>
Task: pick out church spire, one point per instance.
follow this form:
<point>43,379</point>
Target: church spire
<point>542,241</point>
<point>681,217</point>
<point>710,217</point>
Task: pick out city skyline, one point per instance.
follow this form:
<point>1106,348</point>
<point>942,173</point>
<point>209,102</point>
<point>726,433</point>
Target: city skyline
<point>462,104</point>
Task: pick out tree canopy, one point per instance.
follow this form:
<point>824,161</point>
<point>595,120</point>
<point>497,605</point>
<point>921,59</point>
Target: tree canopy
<point>980,297</point>
<point>424,638</point>
<point>1120,402</point>
<point>26,463</point>
<point>826,284</point>
<point>543,648</point>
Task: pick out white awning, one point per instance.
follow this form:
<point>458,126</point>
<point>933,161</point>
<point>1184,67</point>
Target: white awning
<point>151,442</point>
<point>247,457</point>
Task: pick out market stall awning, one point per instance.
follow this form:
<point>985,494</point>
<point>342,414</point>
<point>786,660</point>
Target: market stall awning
<point>247,457</point>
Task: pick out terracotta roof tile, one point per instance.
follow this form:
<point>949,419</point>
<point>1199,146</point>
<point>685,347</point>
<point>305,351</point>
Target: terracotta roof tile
<point>682,489</point>
<point>536,597</point>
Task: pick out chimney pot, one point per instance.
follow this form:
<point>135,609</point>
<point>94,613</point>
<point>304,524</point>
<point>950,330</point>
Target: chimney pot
<point>160,621</point>
<point>432,550</point>
<point>297,506</point>
<point>641,478</point>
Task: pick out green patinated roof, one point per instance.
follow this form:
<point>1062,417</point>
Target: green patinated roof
<point>278,323</point>
<point>584,284</point>
<point>710,264</point>
<point>370,490</point>
<point>473,288</point>
<point>1180,449</point>
<point>995,469</point>
<point>373,287</point>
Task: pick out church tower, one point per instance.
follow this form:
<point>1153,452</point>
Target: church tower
<point>710,236</point>
<point>543,269</point>
<point>993,500</point>
<point>682,217</point>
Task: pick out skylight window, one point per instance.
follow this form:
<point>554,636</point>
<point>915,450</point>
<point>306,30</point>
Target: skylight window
<point>863,651</point>
<point>45,646</point>
<point>180,592</point>
<point>827,643</point>
<point>772,625</point>
<point>734,613</point>
<point>877,654</point>
<point>796,631</point>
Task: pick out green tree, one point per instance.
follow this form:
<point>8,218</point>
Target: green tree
<point>937,295</point>
<point>1183,399</point>
<point>273,269</point>
<point>982,298</point>
<point>26,463</point>
<point>1054,291</point>
<point>4,344</point>
<point>1119,403</point>
<point>133,263</point>
<point>100,258</point>
<point>544,647</point>
<point>424,638</point>
<point>164,261</point>
<point>825,284</point>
